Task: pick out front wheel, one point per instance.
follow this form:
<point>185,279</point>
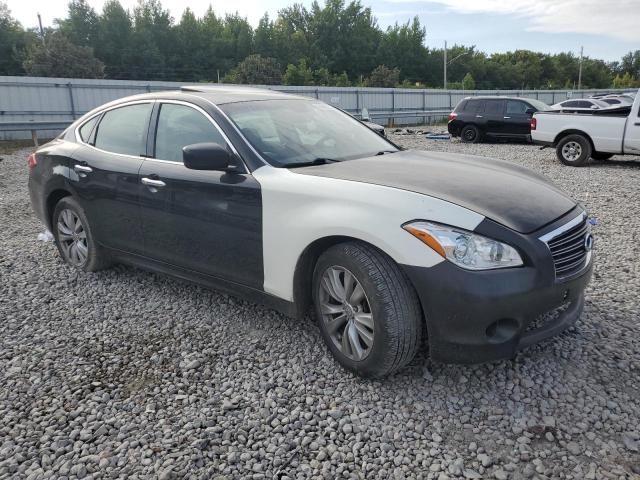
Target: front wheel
<point>367,310</point>
<point>574,150</point>
<point>74,238</point>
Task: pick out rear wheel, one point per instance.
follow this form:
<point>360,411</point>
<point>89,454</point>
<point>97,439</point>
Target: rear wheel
<point>367,310</point>
<point>574,150</point>
<point>74,238</point>
<point>601,156</point>
<point>470,134</point>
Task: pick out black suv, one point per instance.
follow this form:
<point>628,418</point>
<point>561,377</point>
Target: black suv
<point>500,117</point>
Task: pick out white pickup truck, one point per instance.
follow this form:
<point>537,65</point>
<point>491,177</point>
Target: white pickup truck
<point>598,135</point>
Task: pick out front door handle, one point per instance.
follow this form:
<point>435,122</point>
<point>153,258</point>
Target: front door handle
<point>506,117</point>
<point>150,182</point>
<point>82,168</point>
<point>479,116</point>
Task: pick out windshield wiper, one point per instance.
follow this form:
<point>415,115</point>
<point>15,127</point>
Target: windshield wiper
<point>315,161</point>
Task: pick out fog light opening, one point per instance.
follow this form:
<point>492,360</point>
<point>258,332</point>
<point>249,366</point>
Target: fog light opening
<point>502,330</point>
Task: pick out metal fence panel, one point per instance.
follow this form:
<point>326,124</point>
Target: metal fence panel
<point>63,99</point>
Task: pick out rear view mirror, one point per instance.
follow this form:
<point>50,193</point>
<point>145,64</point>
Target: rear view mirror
<point>206,156</point>
<point>364,115</point>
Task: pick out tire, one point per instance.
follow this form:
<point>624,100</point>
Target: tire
<point>76,244</point>
<point>470,134</point>
<point>574,150</point>
<point>601,156</point>
<point>386,324</point>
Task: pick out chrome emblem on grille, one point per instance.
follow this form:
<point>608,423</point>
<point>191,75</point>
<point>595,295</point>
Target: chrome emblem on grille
<point>588,242</point>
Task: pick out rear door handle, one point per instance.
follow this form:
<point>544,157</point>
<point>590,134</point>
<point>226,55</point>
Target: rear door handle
<point>506,117</point>
<point>479,116</point>
<point>82,168</point>
<point>150,182</point>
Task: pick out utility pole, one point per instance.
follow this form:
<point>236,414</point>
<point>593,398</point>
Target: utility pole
<point>41,29</point>
<point>445,64</point>
<point>580,69</point>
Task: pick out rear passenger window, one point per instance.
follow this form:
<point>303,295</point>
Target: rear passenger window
<point>124,130</point>
<point>514,107</point>
<point>493,107</point>
<point>86,129</point>
<point>474,106</point>
<point>179,126</point>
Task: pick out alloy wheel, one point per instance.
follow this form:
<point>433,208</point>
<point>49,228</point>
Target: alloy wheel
<point>571,151</point>
<point>470,134</point>
<point>72,237</point>
<point>346,313</point>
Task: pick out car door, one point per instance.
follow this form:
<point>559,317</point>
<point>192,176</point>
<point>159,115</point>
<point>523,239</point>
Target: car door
<point>208,222</point>
<point>517,120</point>
<point>105,172</point>
<point>493,116</point>
<point>632,133</point>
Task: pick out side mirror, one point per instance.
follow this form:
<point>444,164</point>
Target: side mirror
<point>206,156</point>
<point>364,115</point>
<point>594,107</point>
<point>530,111</point>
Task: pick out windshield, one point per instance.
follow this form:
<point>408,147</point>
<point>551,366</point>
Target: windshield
<point>292,132</point>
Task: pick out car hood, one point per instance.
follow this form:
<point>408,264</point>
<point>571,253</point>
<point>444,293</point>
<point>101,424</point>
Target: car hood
<point>506,193</point>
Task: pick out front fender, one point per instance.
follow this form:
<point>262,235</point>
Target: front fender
<point>300,209</point>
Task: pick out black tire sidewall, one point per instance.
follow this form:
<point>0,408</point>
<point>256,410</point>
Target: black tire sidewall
<point>95,258</point>
<point>379,361</point>
<point>476,137</point>
<point>585,145</point>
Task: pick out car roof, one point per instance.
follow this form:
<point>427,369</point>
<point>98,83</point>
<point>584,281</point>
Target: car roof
<point>218,95</point>
<point>497,97</point>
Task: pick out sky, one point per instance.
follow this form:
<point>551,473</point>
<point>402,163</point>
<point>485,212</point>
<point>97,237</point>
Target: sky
<point>607,29</point>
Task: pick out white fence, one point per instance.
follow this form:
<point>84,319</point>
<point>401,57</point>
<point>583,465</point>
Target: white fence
<point>41,99</point>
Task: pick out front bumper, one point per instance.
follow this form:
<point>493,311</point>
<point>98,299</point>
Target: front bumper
<point>479,316</point>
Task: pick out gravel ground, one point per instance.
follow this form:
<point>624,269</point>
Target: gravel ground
<point>125,373</point>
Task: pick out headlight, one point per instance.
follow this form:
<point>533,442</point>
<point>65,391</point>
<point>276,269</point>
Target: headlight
<point>465,249</point>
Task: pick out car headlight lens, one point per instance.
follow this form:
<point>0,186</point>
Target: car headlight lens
<point>465,249</point>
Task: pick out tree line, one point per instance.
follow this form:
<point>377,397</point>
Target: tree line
<point>337,43</point>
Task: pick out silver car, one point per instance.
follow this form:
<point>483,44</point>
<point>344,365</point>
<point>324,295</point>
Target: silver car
<point>580,105</point>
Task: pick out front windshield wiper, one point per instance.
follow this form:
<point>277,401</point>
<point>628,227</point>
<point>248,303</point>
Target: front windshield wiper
<point>315,161</point>
<point>382,152</point>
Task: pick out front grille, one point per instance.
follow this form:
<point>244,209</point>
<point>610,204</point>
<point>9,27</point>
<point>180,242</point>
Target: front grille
<point>569,250</point>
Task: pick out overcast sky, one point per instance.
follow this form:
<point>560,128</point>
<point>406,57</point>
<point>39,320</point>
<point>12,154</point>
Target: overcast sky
<point>606,28</point>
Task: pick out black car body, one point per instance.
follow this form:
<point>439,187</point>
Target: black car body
<point>200,184</point>
<point>475,118</point>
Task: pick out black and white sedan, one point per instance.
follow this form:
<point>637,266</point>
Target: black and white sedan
<point>293,203</point>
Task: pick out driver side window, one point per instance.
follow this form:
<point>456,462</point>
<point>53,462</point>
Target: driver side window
<point>179,126</point>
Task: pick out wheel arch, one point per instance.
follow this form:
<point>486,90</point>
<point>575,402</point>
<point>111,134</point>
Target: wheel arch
<point>303,274</point>
<point>53,198</point>
<point>573,131</point>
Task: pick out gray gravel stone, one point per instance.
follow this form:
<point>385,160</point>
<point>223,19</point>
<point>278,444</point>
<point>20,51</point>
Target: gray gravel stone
<point>129,374</point>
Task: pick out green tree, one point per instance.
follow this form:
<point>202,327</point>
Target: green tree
<point>61,58</point>
<point>256,70</point>
<point>299,74</point>
<point>383,76</point>
<point>468,83</point>
<point>114,46</point>
<point>13,43</point>
<point>81,24</point>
